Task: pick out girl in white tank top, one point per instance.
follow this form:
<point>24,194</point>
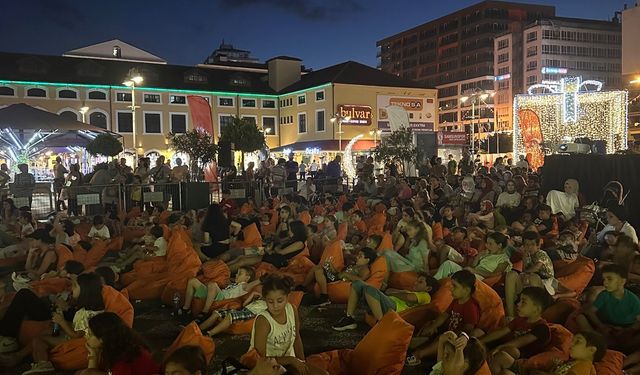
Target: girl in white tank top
<point>281,336</point>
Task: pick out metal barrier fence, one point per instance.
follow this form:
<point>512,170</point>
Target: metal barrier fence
<point>46,198</point>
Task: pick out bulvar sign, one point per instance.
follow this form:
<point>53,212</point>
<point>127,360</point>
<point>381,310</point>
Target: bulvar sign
<point>359,114</point>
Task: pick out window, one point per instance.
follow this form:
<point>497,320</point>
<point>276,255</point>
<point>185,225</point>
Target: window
<point>68,115</point>
<point>97,95</point>
<point>532,80</point>
<point>123,97</point>
<point>153,123</point>
<point>320,96</point>
<point>532,51</point>
<point>302,122</point>
<point>268,103</point>
<point>177,99</point>
<point>152,98</point>
<point>503,43</point>
<point>195,77</point>
<point>503,70</point>
<point>249,103</point>
<point>37,93</point>
<point>225,102</point>
<point>224,120</point>
<point>125,122</point>
<point>532,65</point>
<point>503,57</point>
<point>178,123</point>
<point>532,36</point>
<point>67,94</point>
<point>320,126</point>
<point>269,125</point>
<point>302,99</point>
<point>7,91</point>
<point>251,119</point>
<point>98,119</point>
<point>116,52</point>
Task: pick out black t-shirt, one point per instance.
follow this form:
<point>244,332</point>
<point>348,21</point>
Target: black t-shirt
<point>548,224</point>
<point>449,224</point>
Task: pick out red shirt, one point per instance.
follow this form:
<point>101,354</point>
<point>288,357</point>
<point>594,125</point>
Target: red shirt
<point>460,315</point>
<point>540,329</point>
<point>143,365</point>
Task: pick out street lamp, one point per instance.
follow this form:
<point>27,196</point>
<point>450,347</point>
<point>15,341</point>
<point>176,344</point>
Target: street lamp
<point>132,82</point>
<point>340,119</point>
<point>476,95</point>
<point>375,134</point>
<point>83,112</point>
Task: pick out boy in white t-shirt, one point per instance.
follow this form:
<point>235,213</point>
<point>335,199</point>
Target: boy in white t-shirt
<point>99,230</point>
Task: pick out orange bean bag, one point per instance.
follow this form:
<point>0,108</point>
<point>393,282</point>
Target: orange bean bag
<point>6,262</point>
<point>191,335</point>
<point>131,233</point>
<point>305,217</point>
<point>611,364</point>
<point>386,243</point>
<point>339,291</point>
<point>83,230</point>
<point>558,349</point>
<point>376,223</point>
<point>164,217</point>
<point>484,370</point>
<point>333,253</point>
<point>252,238</point>
<point>402,280</point>
<point>64,255</point>
<point>95,255</point>
<point>560,311</point>
<point>72,355</point>
<point>575,275</point>
<point>144,268</point>
<point>438,233</point>
<point>52,285</point>
<point>381,352</point>
<point>116,243</point>
<point>215,271</point>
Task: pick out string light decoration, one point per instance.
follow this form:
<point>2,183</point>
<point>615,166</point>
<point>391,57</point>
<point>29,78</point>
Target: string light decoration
<point>348,161</point>
<point>568,109</point>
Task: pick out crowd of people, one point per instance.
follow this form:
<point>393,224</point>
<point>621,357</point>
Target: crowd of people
<point>476,257</point>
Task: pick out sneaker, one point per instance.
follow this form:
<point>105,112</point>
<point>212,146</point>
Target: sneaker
<point>43,367</point>
<point>323,300</point>
<point>345,323</point>
<point>412,360</point>
<point>8,344</point>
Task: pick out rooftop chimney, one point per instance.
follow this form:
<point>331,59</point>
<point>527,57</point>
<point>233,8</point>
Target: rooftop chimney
<point>283,71</point>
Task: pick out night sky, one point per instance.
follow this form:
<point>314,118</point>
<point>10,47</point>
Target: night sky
<point>320,32</point>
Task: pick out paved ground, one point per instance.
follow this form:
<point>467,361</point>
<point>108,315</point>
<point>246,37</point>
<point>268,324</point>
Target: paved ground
<point>160,329</point>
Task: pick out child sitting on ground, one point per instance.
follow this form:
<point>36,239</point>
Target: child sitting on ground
<point>462,315</point>
<point>211,292</point>
<point>379,303</point>
<point>99,230</point>
<point>252,305</point>
<point>322,274</point>
<point>525,336</point>
<point>459,354</point>
<point>156,246</point>
<point>565,248</point>
<point>616,311</point>
<point>586,347</point>
<point>493,262</point>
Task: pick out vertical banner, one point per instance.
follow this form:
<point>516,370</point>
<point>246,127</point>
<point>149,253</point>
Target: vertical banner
<point>200,113</point>
<point>201,118</point>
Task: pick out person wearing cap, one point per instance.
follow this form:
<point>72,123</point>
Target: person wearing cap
<point>42,257</point>
<point>617,221</point>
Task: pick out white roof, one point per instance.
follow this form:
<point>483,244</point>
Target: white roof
<point>104,50</point>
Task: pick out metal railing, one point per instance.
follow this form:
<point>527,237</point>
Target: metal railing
<point>45,198</point>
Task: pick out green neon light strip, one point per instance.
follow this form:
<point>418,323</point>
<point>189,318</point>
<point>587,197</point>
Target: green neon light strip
<point>144,88</point>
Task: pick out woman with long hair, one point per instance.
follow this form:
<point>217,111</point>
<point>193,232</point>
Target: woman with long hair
<point>116,349</point>
<point>215,227</point>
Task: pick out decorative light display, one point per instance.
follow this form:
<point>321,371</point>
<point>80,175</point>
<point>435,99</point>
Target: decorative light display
<point>568,110</point>
<point>349,167</point>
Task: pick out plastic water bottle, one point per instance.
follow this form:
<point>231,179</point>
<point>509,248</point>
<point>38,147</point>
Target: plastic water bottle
<point>176,303</point>
<point>56,330</point>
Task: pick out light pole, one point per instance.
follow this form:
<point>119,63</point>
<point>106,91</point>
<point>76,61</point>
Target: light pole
<point>475,96</point>
<point>83,112</point>
<point>375,134</point>
<point>132,82</point>
<point>339,118</point>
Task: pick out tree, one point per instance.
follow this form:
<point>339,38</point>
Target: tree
<point>398,145</point>
<point>244,135</point>
<point>104,144</point>
<point>198,144</point>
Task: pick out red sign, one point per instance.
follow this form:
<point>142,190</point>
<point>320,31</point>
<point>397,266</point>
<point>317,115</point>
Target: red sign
<point>452,138</point>
<point>200,113</point>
